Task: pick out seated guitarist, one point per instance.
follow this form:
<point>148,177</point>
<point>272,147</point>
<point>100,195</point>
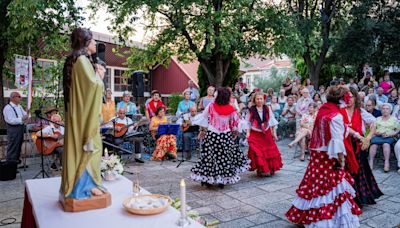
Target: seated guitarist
<point>189,132</point>
<point>54,134</point>
<point>124,122</point>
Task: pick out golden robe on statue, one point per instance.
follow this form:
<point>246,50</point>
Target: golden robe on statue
<point>82,144</point>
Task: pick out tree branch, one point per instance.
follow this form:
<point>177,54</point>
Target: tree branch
<point>183,30</point>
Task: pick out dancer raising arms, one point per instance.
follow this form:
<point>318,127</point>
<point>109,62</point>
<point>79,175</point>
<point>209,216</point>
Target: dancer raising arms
<point>325,195</point>
<point>263,152</point>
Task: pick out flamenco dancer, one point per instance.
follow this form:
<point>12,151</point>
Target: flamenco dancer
<point>221,160</point>
<point>263,152</point>
<point>325,195</point>
<point>356,145</point>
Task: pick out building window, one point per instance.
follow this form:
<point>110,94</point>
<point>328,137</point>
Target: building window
<point>107,78</point>
<point>121,82</point>
<point>42,72</point>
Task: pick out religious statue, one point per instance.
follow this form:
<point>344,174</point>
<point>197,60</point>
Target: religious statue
<point>83,89</point>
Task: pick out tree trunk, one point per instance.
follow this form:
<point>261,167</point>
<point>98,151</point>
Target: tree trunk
<point>5,23</point>
<point>216,69</point>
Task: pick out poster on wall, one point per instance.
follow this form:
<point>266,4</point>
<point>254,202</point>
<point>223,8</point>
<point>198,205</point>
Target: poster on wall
<point>23,75</point>
<point>22,69</point>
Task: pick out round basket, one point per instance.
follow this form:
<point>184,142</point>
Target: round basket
<point>150,211</point>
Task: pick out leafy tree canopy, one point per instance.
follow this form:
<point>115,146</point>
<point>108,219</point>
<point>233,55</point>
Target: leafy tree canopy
<point>213,32</point>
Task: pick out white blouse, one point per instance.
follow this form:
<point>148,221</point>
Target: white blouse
<point>271,122</point>
<point>336,144</point>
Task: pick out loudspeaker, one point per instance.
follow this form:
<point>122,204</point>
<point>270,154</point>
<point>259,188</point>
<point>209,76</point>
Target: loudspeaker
<point>101,52</point>
<point>8,170</point>
<point>138,84</point>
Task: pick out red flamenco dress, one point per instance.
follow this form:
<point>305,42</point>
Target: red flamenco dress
<point>325,197</point>
<point>357,160</point>
<point>263,152</point>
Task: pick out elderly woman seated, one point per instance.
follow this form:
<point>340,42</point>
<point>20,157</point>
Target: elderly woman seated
<point>165,144</point>
<point>387,127</point>
<point>306,127</point>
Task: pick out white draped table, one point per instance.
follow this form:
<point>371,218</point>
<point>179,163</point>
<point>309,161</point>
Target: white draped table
<point>48,213</point>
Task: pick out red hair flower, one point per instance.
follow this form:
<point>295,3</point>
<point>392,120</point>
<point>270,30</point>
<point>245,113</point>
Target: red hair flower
<point>347,97</point>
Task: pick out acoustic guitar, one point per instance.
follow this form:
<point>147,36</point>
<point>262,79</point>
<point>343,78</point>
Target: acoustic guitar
<point>124,128</point>
<point>49,143</point>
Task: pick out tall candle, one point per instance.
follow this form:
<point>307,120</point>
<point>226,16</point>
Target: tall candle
<point>183,198</point>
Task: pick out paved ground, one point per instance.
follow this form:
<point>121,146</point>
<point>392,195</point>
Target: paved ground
<point>253,202</point>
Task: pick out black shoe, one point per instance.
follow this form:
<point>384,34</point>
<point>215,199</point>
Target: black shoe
<point>221,186</point>
<point>17,171</point>
<point>170,156</point>
<point>53,166</point>
<point>139,160</point>
<point>206,184</point>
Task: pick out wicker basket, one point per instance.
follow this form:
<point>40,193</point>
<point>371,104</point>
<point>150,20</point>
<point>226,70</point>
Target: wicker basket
<point>150,211</point>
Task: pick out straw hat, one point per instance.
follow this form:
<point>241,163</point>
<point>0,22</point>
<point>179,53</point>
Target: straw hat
<point>50,109</point>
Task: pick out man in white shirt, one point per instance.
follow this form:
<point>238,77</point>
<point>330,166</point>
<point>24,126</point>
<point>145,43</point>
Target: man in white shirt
<point>55,132</point>
<point>15,118</point>
<point>194,95</point>
<point>189,130</point>
<point>122,119</point>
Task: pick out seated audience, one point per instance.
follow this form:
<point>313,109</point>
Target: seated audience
<point>205,101</point>
<point>185,104</point>
<point>237,91</point>
<point>386,84</point>
<point>153,104</point>
<point>287,86</point>
<point>387,127</point>
<point>165,144</point>
<point>282,98</point>
<point>129,107</point>
<point>306,127</point>
<point>393,97</point>
<point>309,85</point>
<point>108,107</point>
<point>288,117</point>
<point>56,133</point>
<point>322,93</point>
<point>124,122</point>
<point>275,107</point>
<point>352,84</point>
<point>317,98</point>
<point>362,97</point>
<point>370,107</point>
<point>190,131</point>
<point>270,94</point>
<point>380,97</point>
<point>194,92</point>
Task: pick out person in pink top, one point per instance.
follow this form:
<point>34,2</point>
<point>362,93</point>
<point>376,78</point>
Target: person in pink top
<point>386,84</point>
<point>221,160</point>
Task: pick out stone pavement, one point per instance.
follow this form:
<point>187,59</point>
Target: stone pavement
<point>253,202</point>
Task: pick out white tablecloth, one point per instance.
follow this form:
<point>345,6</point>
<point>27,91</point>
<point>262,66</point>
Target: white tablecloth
<point>43,195</point>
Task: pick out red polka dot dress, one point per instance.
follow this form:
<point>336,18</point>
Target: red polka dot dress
<point>325,196</point>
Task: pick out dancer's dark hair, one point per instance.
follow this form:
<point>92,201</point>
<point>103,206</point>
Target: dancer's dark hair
<point>223,96</point>
<point>336,93</point>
